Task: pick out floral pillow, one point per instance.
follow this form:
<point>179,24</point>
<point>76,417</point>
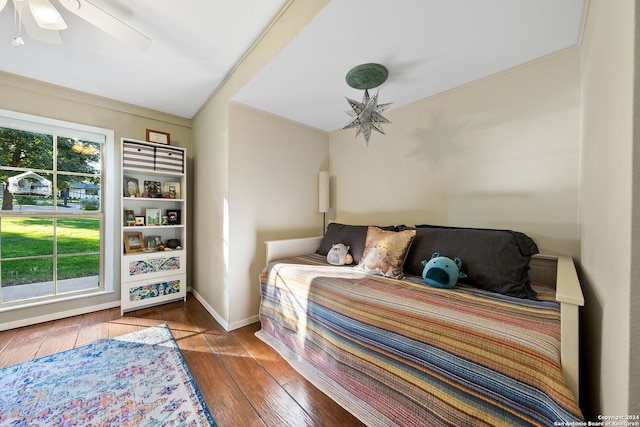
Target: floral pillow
<point>385,252</point>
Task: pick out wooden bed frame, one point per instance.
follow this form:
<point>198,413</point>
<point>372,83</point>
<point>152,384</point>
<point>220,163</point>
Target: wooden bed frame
<point>555,270</point>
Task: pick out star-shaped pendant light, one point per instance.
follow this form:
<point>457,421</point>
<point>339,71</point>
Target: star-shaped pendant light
<point>367,114</point>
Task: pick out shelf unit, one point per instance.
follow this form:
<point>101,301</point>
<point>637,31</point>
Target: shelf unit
<point>152,277</point>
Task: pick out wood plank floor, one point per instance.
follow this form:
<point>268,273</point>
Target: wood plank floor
<point>244,381</point>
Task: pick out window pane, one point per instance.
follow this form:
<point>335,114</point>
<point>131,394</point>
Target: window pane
<point>23,271</point>
<point>22,149</point>
<point>26,237</point>
<point>78,192</point>
<point>27,191</point>
<point>78,156</point>
<point>28,278</point>
<point>78,272</point>
<point>77,235</point>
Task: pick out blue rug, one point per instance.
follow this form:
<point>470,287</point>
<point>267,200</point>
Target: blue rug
<point>138,379</point>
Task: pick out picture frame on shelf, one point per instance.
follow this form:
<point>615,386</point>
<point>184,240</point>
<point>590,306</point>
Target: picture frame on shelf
<point>152,190</point>
<point>153,216</point>
<point>152,242</point>
<point>140,220</point>
<point>174,216</point>
<point>171,190</point>
<point>129,217</point>
<point>133,242</point>
<point>131,187</point>
<point>158,137</point>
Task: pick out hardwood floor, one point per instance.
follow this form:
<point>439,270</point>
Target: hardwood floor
<point>244,381</point>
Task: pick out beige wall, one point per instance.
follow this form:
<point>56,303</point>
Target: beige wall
<point>607,196</point>
<point>502,152</point>
<point>209,190</point>
<point>262,186</point>
<point>40,99</point>
<point>273,194</point>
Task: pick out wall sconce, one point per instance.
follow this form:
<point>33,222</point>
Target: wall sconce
<point>323,197</point>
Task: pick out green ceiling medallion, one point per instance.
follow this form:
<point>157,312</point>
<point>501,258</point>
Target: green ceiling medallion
<point>367,115</point>
<point>367,76</point>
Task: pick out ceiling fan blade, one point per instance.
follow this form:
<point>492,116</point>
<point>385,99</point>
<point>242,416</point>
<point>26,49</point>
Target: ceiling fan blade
<point>33,30</point>
<point>46,15</point>
<point>108,23</point>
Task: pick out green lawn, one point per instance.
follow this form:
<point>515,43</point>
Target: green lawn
<point>30,237</point>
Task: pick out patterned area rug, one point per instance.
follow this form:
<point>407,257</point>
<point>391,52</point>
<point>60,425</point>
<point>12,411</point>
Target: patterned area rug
<point>138,379</point>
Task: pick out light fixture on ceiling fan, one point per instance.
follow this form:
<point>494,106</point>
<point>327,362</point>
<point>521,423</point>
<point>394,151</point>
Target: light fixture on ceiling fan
<point>46,16</point>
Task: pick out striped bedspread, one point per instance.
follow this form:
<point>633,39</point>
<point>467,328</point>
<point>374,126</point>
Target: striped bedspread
<point>401,353</point>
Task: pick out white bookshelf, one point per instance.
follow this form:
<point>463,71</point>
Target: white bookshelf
<point>150,276</point>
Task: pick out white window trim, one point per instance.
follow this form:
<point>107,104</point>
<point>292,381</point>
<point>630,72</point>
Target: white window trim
<point>23,121</point>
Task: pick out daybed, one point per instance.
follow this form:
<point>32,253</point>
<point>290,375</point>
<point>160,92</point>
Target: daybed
<point>397,351</point>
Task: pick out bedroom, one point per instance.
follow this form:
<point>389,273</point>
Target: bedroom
<point>564,211</point>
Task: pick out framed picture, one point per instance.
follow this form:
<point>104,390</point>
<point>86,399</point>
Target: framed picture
<point>152,242</point>
<point>171,190</point>
<point>129,217</point>
<point>152,189</point>
<point>158,137</point>
<point>173,216</point>
<point>131,188</point>
<point>139,220</point>
<point>153,216</point>
<point>133,242</point>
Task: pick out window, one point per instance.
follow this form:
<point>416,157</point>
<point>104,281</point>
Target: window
<point>55,235</point>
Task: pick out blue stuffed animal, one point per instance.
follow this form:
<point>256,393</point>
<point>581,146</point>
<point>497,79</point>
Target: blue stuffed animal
<point>442,272</point>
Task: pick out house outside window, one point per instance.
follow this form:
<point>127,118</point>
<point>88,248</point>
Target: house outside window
<point>56,235</point>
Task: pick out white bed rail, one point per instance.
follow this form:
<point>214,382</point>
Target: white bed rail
<point>277,249</point>
<point>554,270</point>
<point>560,271</point>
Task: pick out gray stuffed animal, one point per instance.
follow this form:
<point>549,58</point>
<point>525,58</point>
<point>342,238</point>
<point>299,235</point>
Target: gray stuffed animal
<point>339,255</point>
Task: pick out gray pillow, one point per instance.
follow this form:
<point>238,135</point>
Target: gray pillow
<point>494,260</point>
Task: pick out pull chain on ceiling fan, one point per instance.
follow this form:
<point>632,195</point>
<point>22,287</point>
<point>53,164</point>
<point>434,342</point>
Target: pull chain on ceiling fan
<point>17,25</point>
<point>45,16</point>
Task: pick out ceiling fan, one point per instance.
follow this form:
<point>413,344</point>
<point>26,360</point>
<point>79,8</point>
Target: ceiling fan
<point>44,22</point>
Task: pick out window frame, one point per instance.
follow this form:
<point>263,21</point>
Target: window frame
<point>108,187</point>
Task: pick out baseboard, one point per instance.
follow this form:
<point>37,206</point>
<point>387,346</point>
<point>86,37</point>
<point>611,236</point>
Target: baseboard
<point>210,309</point>
<point>244,322</point>
<point>227,327</point>
<point>58,315</point>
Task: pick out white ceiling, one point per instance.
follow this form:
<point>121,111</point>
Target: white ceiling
<point>194,45</point>
<point>428,46</point>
